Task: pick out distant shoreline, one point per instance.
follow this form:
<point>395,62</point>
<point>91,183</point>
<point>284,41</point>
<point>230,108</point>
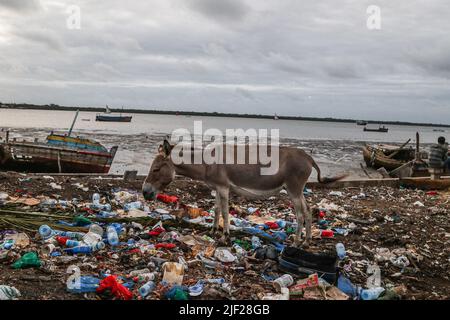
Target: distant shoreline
<point>53,107</point>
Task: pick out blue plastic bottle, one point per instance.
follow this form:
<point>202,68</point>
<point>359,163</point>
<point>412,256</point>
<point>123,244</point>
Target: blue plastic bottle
<point>371,294</point>
<point>79,250</point>
<point>45,231</point>
<point>87,284</point>
<point>72,243</point>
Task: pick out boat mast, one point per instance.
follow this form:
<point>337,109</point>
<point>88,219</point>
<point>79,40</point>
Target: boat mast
<point>73,123</point>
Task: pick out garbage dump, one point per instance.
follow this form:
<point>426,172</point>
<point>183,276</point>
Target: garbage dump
<point>96,238</point>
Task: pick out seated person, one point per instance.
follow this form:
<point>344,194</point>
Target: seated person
<point>439,155</point>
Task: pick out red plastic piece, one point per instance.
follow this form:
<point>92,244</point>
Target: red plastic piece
<point>117,289</point>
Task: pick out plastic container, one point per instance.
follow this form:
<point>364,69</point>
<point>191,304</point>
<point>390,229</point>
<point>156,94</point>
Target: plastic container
<point>256,242</point>
<point>340,251</point>
<point>86,284</point>
<point>98,246</point>
<point>45,232</point>
<point>111,234</point>
<point>96,199</point>
<point>133,205</point>
<point>79,250</point>
<point>147,288</point>
<point>326,234</point>
<point>284,281</point>
<point>72,243</point>
<point>371,294</point>
<point>135,273</point>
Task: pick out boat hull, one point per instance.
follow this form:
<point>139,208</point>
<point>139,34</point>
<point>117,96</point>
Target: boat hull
<point>41,158</point>
<point>376,158</point>
<point>113,118</point>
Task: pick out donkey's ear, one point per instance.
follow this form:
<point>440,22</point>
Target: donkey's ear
<point>167,147</point>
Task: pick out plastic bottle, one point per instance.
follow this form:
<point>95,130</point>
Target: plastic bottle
<point>95,199</point>
<point>133,205</point>
<point>256,242</point>
<point>72,235</point>
<point>371,294</point>
<point>98,246</point>
<point>147,288</point>
<point>72,243</point>
<point>113,238</point>
<point>45,231</point>
<point>86,284</point>
<point>79,250</point>
<point>145,277</point>
<point>8,244</point>
<point>340,251</point>
<point>135,273</point>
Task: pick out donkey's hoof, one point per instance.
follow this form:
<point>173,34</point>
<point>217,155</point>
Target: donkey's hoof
<point>225,240</point>
<point>305,244</point>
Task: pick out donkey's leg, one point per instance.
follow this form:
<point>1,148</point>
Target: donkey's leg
<point>300,219</point>
<point>294,193</point>
<point>217,213</point>
<point>308,220</point>
<point>224,195</point>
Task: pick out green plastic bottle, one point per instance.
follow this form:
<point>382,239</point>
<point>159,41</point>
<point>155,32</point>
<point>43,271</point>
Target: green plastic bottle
<point>28,260</point>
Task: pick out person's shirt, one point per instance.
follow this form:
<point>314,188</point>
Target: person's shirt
<point>438,154</point>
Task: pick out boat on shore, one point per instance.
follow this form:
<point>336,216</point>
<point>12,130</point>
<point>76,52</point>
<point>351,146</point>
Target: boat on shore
<point>60,153</point>
<point>380,129</point>
<point>109,117</point>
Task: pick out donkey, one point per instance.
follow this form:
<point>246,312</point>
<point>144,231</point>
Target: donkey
<point>295,167</point>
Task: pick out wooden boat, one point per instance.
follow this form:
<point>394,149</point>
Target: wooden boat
<point>107,116</point>
<point>361,122</point>
<point>388,156</point>
<point>60,153</point>
<point>380,129</point>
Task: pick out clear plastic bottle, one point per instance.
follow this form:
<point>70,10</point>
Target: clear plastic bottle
<point>95,199</point>
<point>147,288</point>
<point>256,242</point>
<point>133,205</point>
<point>340,251</point>
<point>113,238</point>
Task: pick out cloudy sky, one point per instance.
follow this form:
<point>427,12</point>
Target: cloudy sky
<point>306,58</point>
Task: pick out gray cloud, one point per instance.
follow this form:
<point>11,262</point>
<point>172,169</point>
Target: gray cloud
<point>21,5</point>
<point>223,10</point>
<point>286,56</point>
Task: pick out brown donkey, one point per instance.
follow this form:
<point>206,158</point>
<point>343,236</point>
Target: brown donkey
<point>294,169</point>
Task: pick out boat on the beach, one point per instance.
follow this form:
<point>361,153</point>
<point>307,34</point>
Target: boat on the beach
<point>380,129</point>
<point>388,156</point>
<point>361,122</point>
<point>60,153</point>
<point>109,117</point>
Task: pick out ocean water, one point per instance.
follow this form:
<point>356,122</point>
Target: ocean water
<point>335,146</point>
<point>148,124</point>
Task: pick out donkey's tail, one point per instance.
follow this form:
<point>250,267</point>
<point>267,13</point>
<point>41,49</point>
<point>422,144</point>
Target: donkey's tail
<point>326,179</point>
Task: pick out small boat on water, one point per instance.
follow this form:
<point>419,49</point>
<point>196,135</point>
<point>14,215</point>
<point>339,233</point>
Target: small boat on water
<point>275,117</point>
<point>380,129</point>
<point>109,117</point>
<point>361,123</point>
<point>60,153</point>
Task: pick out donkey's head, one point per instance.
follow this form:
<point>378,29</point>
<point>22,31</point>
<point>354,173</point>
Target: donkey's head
<point>162,172</point>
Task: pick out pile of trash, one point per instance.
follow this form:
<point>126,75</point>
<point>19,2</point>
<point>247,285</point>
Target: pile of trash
<point>115,245</point>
